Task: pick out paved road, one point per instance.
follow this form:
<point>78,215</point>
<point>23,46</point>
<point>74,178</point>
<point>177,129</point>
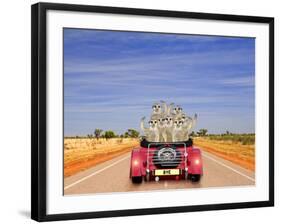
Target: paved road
<point>113,176</point>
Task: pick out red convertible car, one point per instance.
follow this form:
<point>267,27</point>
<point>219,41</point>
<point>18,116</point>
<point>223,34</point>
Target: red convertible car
<point>161,160</point>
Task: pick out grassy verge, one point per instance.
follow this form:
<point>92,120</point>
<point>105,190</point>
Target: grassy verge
<point>234,151</point>
<point>81,154</point>
<point>244,139</point>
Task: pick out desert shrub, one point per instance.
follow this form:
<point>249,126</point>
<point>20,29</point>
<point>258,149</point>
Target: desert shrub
<point>244,139</point>
<point>131,133</point>
<point>98,133</point>
<point>202,132</point>
<point>109,134</point>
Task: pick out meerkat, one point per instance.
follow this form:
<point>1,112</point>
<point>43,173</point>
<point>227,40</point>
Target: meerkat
<point>169,128</point>
<point>177,133</point>
<point>162,130</point>
<point>163,106</point>
<point>156,111</point>
<point>166,109</point>
<point>170,109</point>
<point>177,112</point>
<point>152,132</point>
<point>186,120</point>
<point>188,124</point>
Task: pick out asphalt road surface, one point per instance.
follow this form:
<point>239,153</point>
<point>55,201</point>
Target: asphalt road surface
<point>113,176</point>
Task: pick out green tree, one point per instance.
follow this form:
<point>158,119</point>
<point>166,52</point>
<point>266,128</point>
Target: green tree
<point>202,132</point>
<point>131,133</point>
<point>109,134</point>
<point>192,134</point>
<point>89,136</point>
<point>98,133</point>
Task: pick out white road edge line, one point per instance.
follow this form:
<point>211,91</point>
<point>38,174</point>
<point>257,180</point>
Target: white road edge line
<point>234,170</point>
<point>94,173</point>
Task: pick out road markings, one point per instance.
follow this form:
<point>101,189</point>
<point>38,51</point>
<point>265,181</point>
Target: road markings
<point>165,183</point>
<point>234,170</point>
<point>95,173</point>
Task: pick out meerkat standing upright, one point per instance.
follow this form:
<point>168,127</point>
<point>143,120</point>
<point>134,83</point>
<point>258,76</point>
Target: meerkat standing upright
<point>162,121</point>
<point>162,130</point>
<point>167,109</point>
<point>188,124</point>
<point>169,128</point>
<point>152,132</point>
<point>177,133</point>
<point>177,112</point>
<point>156,111</point>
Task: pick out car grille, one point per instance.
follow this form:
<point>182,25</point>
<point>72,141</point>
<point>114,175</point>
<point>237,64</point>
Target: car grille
<point>165,157</point>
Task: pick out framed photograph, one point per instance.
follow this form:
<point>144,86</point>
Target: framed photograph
<point>139,111</point>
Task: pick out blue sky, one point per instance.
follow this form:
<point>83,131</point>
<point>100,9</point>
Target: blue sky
<point>112,78</point>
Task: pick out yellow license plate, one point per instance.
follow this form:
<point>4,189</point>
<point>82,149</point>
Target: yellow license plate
<point>167,172</point>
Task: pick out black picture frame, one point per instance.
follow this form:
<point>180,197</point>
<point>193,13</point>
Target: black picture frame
<point>39,122</point>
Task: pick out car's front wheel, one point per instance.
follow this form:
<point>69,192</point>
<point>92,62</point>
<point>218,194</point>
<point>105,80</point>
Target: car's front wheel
<point>137,180</point>
<point>195,177</point>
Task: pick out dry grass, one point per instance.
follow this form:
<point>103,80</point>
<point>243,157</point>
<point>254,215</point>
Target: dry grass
<point>236,152</point>
<point>83,153</point>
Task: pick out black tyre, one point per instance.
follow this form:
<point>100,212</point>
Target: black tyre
<point>185,175</point>
<point>147,178</point>
<point>137,180</point>
<point>195,177</point>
